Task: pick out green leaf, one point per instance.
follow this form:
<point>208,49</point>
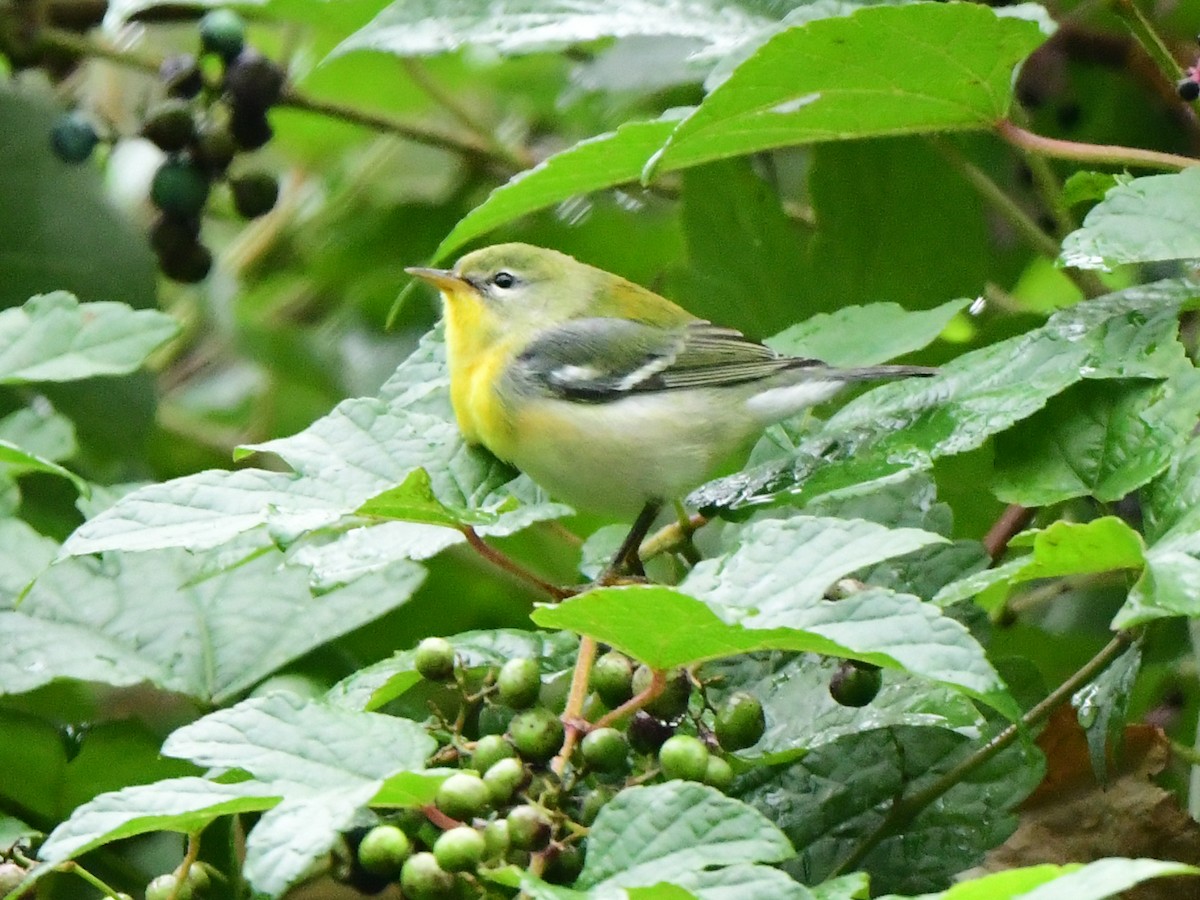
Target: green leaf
<point>1146,219</point>
<point>599,162</point>
<point>902,426</point>
<point>54,337</point>
<point>18,461</point>
<point>152,618</point>
<point>41,430</point>
<point>647,835</point>
<point>1170,584</point>
<point>951,69</point>
<point>866,335</point>
<point>1101,706</point>
<point>1062,549</point>
<point>1174,496</point>
<point>413,501</point>
<point>1098,440</point>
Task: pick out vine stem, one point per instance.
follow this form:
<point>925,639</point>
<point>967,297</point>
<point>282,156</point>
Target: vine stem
<point>907,808</point>
<point>1004,529</point>
<point>508,564</point>
<point>1093,154</point>
<point>573,713</point>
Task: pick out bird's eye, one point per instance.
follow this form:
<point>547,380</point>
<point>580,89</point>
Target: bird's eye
<point>504,279</point>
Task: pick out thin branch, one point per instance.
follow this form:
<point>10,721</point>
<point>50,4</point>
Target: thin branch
<point>573,713</point>
<point>1092,154</point>
<point>671,536</point>
<point>508,564</point>
<point>905,809</point>
<point>1012,520</point>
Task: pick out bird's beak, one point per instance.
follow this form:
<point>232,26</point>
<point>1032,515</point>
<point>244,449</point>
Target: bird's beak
<point>442,279</point>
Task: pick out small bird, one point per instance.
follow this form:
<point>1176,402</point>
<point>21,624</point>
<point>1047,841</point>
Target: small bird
<point>610,397</point>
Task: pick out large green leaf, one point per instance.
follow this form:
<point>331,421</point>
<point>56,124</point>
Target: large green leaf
<point>950,67</point>
<point>161,618</point>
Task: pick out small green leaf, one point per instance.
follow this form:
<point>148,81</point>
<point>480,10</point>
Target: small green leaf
<point>18,461</point>
<point>1146,219</point>
<point>951,69</point>
<point>1101,707</point>
<point>413,500</point>
<point>647,835</point>
<point>54,337</point>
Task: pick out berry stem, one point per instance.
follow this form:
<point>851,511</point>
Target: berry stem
<point>656,686</point>
<point>573,712</point>
<point>1092,154</point>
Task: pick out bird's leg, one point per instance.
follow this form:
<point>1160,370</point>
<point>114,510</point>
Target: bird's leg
<point>627,560</point>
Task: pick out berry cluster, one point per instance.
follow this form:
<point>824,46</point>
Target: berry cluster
<point>507,805</point>
<point>201,128</point>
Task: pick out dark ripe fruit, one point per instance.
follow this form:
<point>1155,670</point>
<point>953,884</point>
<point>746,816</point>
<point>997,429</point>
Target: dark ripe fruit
<point>170,235</point>
<point>673,701</point>
<point>181,76</point>
<point>489,750</point>
<point>612,678</point>
<point>179,188</point>
<point>254,194</point>
<point>383,850</point>
<point>213,148</point>
<point>528,829</point>
<point>459,849</point>
<point>563,864</point>
<point>684,757</point>
<point>519,683</point>
<point>187,265</point>
<point>252,81</point>
<point>222,32</point>
<point>647,733</point>
<point>536,733</point>
<point>505,778</point>
<point>740,722</point>
<point>605,750</point>
<point>73,138</point>
<point>718,773</point>
<point>249,128</point>
<point>423,879</point>
<point>1189,89</point>
<point>435,659</point>
<point>170,125</point>
<point>463,796</point>
<point>855,684</point>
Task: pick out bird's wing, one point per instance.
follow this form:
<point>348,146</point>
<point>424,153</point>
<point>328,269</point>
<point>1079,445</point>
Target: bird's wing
<point>601,359</point>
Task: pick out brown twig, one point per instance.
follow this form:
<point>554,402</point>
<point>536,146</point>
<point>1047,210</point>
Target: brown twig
<point>1012,520</point>
<point>573,713</point>
<point>508,564</point>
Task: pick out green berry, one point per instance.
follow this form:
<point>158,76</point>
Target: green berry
<point>684,757</point>
<point>740,722</point>
<point>504,779</point>
<point>181,76</point>
<point>489,750</point>
<point>528,828</point>
<point>495,719</point>
<point>718,773</point>
<point>519,683</point>
<point>163,887</point>
<point>254,194</point>
<point>199,878</point>
<point>214,148</point>
<point>222,32</point>
<point>459,849</point>
<point>383,850</point>
<point>73,138</point>
<point>612,678</point>
<point>170,125</point>
<point>855,684</point>
<point>179,188</point>
<point>435,659</point>
<point>563,864</point>
<point>423,879</point>
<point>253,82</point>
<point>673,701</point>
<point>463,796</point>
<point>590,805</point>
<point>186,265</point>
<point>495,839</point>
<point>647,733</point>
<point>536,733</point>
<point>605,750</point>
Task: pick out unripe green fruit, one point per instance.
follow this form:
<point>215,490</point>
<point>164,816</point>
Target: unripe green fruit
<point>187,264</point>
<point>740,722</point>
<point>528,828</point>
<point>489,750</point>
<point>223,33</point>
<point>564,864</point>
<point>463,796</point>
<point>214,148</point>
<point>673,701</point>
<point>519,683</point>
<point>73,138</point>
<point>647,733</point>
<point>179,188</point>
<point>199,878</point>
<point>383,850</point>
<point>254,194</point>
<point>605,750</point>
<point>253,82</point>
<point>683,757</point>
<point>163,887</point>
<point>423,879</point>
<point>718,773</point>
<point>855,684</point>
<point>504,779</point>
<point>536,733</point>
<point>495,719</point>
<point>181,76</point>
<point>612,678</point>
<point>459,849</point>
<point>170,125</point>
<point>495,839</point>
<point>435,659</point>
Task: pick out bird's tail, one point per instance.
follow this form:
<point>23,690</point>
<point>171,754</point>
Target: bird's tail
<point>874,373</point>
